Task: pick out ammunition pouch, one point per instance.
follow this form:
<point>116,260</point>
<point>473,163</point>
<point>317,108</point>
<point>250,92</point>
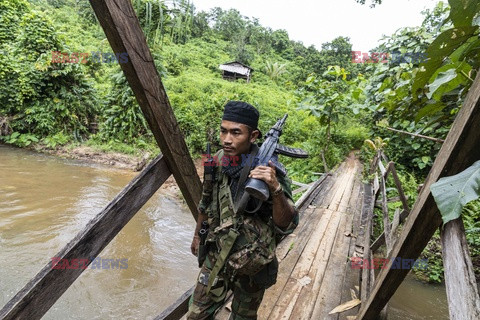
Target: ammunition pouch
<point>254,249</point>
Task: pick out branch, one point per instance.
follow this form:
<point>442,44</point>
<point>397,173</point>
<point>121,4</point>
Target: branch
<point>417,135</point>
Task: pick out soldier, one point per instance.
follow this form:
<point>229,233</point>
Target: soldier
<point>240,249</point>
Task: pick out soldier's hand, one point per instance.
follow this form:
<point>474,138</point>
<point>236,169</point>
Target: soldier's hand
<point>194,245</point>
<point>267,174</point>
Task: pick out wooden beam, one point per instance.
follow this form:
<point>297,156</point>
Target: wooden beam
<point>306,196</point>
<point>398,184</point>
<point>301,189</point>
<point>460,150</point>
<point>124,34</point>
<point>381,238</point>
<point>43,290</point>
<point>462,293</point>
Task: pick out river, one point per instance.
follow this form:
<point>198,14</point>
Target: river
<point>45,201</point>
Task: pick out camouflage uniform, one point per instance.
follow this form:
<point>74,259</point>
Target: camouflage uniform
<point>247,290</point>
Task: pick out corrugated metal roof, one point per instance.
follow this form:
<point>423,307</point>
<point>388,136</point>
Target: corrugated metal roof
<point>236,67</point>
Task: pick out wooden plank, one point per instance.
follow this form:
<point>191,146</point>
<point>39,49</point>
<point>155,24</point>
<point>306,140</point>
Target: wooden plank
<point>307,304</point>
<point>43,290</point>
<point>291,291</point>
<point>312,192</point>
<point>296,183</point>
<point>273,294</point>
<point>389,200</point>
<point>383,171</point>
<point>302,234</point>
<point>326,252</point>
<point>462,292</point>
<point>176,310</point>
<point>330,293</point>
<point>460,150</point>
<point>124,34</point>
<point>395,224</point>
<point>351,277</point>
<point>367,210</point>
<point>301,189</point>
<point>376,184</point>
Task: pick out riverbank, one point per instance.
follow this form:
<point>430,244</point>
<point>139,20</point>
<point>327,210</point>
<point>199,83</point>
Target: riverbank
<point>86,153</point>
<point>117,160</point>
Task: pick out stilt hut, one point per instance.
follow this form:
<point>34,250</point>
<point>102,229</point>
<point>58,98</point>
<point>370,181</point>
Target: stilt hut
<point>236,70</point>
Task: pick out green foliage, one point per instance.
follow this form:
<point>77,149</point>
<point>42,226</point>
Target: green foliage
<point>11,12</point>
<point>452,193</point>
<point>471,220</point>
<point>59,139</point>
<point>431,111</point>
<point>20,139</point>
<point>274,70</point>
<point>330,101</point>
<point>43,98</point>
<point>123,120</point>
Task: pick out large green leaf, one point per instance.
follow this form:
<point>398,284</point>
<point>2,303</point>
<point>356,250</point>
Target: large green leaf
<point>452,193</point>
<point>463,11</point>
<point>443,46</point>
<point>443,77</point>
<point>448,78</point>
<point>429,109</point>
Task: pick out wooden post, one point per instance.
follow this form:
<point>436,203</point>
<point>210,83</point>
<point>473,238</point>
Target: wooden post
<point>462,293</point>
<point>386,220</point>
<point>460,150</point>
<point>123,31</point>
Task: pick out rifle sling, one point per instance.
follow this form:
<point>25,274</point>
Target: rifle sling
<point>244,174</point>
<point>222,257</point>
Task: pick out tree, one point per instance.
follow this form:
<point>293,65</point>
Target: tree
<point>335,53</point>
<point>280,40</point>
<point>228,23</point>
<point>326,100</point>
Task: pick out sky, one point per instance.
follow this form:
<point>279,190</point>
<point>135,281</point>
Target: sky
<point>319,21</point>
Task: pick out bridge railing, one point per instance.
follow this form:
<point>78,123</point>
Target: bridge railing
<point>459,151</point>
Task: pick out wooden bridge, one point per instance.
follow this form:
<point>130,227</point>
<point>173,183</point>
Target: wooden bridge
<point>315,273</point>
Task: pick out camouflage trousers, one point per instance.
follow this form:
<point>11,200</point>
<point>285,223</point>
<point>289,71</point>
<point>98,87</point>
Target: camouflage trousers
<point>247,296</point>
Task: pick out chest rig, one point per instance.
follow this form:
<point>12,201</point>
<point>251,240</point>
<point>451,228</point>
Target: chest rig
<point>252,240</point>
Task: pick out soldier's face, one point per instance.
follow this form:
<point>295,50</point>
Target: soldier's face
<point>235,138</point>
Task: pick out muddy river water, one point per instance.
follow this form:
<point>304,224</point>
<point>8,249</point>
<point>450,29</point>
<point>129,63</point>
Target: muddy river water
<point>45,201</point>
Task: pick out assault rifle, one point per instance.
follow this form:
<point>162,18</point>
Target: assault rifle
<point>269,150</point>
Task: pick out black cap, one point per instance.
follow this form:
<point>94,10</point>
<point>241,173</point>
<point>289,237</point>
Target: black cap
<point>241,112</point>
